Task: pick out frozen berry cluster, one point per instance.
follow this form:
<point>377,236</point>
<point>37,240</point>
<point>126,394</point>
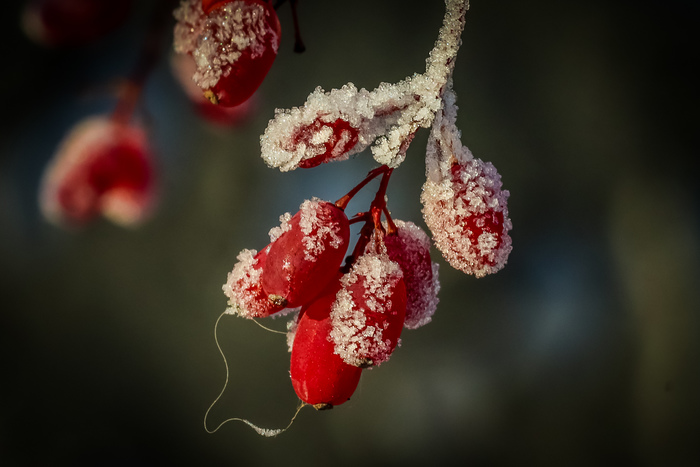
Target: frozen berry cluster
<point>349,310</point>
<point>350,315</point>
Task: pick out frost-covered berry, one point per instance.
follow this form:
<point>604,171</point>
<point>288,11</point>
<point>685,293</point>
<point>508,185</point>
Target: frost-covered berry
<point>369,309</point>
<point>464,204</point>
<point>183,67</point>
<point>102,167</point>
<point>409,246</point>
<point>335,139</point>
<point>309,250</point>
<point>332,126</point>
<point>319,376</point>
<point>233,46</point>
<point>58,23</point>
<point>244,289</point>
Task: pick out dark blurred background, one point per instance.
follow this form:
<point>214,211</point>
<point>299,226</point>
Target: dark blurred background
<point>583,351</point>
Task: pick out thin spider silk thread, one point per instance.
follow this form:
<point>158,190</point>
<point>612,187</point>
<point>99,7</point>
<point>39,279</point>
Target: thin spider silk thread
<point>267,432</point>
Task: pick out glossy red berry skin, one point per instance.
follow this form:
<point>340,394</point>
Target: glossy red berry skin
<point>244,287</point>
<point>121,166</point>
<point>319,376</point>
<point>303,260</point>
<point>101,168</point>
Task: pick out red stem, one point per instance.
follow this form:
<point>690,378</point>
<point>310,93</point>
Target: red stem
<point>147,59</point>
<point>343,202</point>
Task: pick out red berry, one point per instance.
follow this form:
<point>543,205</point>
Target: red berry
<point>303,260</point>
<point>209,5</point>
<point>369,310</point>
<point>244,286</point>
<point>73,22</point>
<point>183,67</point>
<point>319,376</point>
<point>103,167</point>
<point>234,46</point>
<point>468,216</point>
<point>409,246</point>
<point>336,138</point>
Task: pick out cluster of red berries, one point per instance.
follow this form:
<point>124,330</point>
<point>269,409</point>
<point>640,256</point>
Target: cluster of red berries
<point>349,316</point>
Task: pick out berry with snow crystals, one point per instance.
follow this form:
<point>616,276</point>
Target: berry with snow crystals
<point>369,310</point>
<point>233,45</point>
<point>463,203</point>
<point>409,246</point>
<point>244,287</point>
<point>102,167</point>
<point>310,248</point>
<point>319,376</point>
<point>183,67</point>
<point>388,282</point>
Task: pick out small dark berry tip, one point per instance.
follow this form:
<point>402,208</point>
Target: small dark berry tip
<point>277,300</point>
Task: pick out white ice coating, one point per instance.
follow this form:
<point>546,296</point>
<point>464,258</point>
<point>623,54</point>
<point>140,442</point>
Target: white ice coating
<point>388,116</point>
<point>356,341</point>
<point>422,282</point>
<point>369,113</point>
<point>83,144</point>
<point>449,203</point>
<point>276,232</point>
<point>243,286</point>
<point>217,40</point>
<point>317,230</point>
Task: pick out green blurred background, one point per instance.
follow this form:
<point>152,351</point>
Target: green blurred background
<point>582,351</point>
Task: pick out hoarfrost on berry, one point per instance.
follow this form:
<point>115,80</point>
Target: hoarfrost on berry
<point>306,251</point>
<point>101,167</point>
<point>463,203</point>
<point>319,376</point>
<point>409,246</point>
<point>369,310</point>
<point>244,289</point>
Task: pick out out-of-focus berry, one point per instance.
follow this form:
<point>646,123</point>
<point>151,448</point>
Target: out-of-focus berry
<point>102,167</point>
<point>59,23</point>
<point>464,204</point>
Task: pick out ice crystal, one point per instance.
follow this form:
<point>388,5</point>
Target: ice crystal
<point>243,287</point>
